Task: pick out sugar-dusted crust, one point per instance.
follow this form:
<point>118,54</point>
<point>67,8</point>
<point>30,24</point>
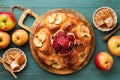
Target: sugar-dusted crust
<point>72,22</point>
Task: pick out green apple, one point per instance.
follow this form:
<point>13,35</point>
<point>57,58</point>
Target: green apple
<point>20,37</point>
<point>4,39</point>
<point>7,21</point>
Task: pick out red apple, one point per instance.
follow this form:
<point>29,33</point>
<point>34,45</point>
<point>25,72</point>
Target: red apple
<point>114,45</point>
<point>4,39</point>
<point>20,37</point>
<point>7,21</point>
<point>103,61</point>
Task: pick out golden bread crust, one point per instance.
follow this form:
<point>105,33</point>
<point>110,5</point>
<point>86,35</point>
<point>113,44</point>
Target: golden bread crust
<point>70,22</point>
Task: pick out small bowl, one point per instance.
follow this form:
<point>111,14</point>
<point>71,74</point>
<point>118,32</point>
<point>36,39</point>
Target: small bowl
<point>103,23</point>
<point>10,50</point>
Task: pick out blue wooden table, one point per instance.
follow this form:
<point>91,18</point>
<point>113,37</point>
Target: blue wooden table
<point>87,7</point>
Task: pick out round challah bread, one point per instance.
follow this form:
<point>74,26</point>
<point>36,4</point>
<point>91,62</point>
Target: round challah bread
<point>63,42</point>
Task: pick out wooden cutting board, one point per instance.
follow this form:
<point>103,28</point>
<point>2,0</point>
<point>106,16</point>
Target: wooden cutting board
<point>38,19</point>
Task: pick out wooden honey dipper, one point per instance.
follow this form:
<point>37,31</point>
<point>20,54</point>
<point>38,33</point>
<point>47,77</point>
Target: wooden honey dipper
<point>105,38</point>
<point>8,68</point>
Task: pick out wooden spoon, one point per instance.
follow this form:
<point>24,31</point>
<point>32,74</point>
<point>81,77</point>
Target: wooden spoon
<point>7,67</point>
<point>105,38</point>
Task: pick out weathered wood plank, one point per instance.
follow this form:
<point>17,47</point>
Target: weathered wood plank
<point>60,3</point>
<point>87,7</point>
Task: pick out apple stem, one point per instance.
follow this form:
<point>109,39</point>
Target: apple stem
<point>118,45</point>
<point>107,64</point>
<point>0,39</point>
